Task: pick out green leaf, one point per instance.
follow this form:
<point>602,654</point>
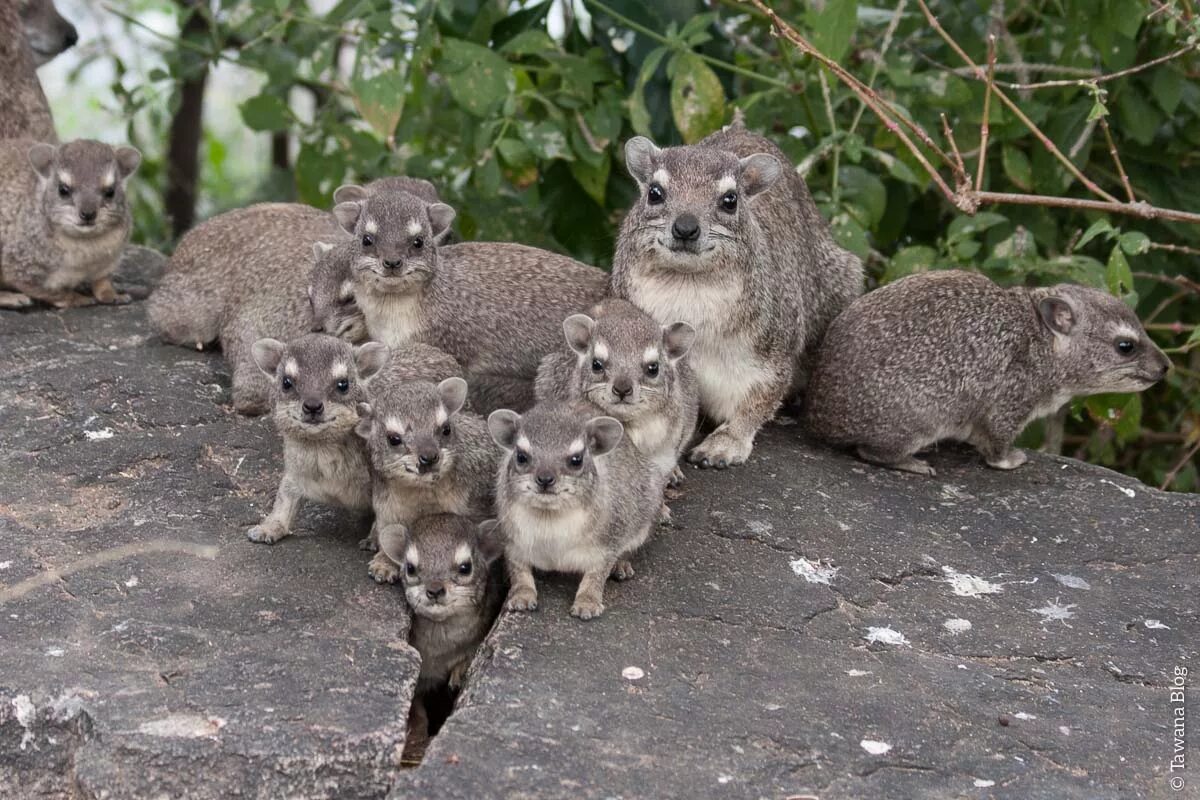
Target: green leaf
<point>1139,119</point>
<point>639,115</point>
<point>515,153</point>
<point>1167,88</point>
<point>1119,277</point>
<point>1122,411</point>
<point>528,43</point>
<point>1134,243</point>
<point>969,226</point>
<point>1017,167</point>
<point>850,235</point>
<point>546,140</point>
<point>593,179</point>
<point>380,101</point>
<point>863,188</point>
<point>909,260</point>
<point>697,98</point>
<point>266,112</point>
<point>833,27</point>
<point>1097,228</point>
<point>479,80</point>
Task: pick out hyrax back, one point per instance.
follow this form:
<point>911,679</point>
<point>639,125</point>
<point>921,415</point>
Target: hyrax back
<point>317,382</point>
<point>951,355</point>
<point>632,369</point>
<point>725,237</point>
<point>451,587</point>
<point>573,496</point>
<point>64,219</point>
<point>24,112</point>
<point>496,307</point>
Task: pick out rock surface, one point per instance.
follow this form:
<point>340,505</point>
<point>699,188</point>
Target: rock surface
<point>810,625</point>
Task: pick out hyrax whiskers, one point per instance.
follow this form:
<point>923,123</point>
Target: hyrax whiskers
<point>632,369</point>
<point>727,238</point>
<point>573,496</point>
<point>951,355</point>
<point>451,587</point>
<point>318,382</point>
<point>64,219</point>
<point>428,456</point>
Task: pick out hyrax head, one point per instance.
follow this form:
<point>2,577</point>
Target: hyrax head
<point>81,185</point>
<point>626,362</point>
<point>318,382</point>
<point>1099,344</point>
<point>410,429</point>
<point>693,208</point>
<point>397,235</point>
<point>445,559</point>
<point>552,452</point>
<point>45,29</point>
<point>331,293</point>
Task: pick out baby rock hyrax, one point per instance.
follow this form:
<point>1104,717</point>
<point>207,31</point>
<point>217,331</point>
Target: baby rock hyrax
<point>573,496</point>
<point>63,221</point>
<point>318,381</point>
<point>951,355</point>
<point>451,588</point>
<point>727,238</point>
<point>632,369</point>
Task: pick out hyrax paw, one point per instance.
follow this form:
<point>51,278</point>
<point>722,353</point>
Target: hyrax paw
<point>664,515</point>
<point>15,300</point>
<point>587,608</point>
<point>622,571</point>
<point>457,676</point>
<point>676,477</point>
<point>383,570</point>
<point>116,299</point>
<point>521,599</point>
<point>267,532</point>
<point>721,450</point>
<point>1011,460</point>
<point>73,300</point>
<point>368,543</point>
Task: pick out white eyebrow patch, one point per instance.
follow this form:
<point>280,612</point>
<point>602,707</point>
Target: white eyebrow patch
<point>110,179</point>
<point>442,415</point>
<point>340,370</point>
<point>394,424</point>
<point>661,177</point>
<point>727,184</point>
<point>370,226</point>
<point>346,290</point>
<point>64,177</point>
<point>523,442</point>
<point>577,447</point>
<point>1128,332</point>
<point>463,554</point>
<point>414,227</point>
<point>650,355</point>
<point>600,351</point>
<point>291,368</point>
<point>412,555</point>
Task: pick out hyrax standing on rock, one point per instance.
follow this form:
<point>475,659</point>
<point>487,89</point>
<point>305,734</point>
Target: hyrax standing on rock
<point>573,496</point>
<point>318,382</point>
<point>496,307</point>
<point>951,355</point>
<point>632,369</point>
<point>428,456</point>
<point>727,238</point>
<point>451,588</point>
<point>63,221</point>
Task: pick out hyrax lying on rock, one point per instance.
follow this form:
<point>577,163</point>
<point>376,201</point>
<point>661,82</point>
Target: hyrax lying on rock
<point>496,307</point>
<point>47,33</point>
<point>63,221</point>
<point>318,382</point>
<point>727,238</point>
<point>451,588</point>
<point>24,111</point>
<point>951,355</point>
<point>632,369</point>
<point>573,496</point>
<point>428,457</point>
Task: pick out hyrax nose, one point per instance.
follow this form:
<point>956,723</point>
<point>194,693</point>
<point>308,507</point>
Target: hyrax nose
<point>622,388</point>
<point>686,227</point>
<point>545,480</point>
<point>71,37</point>
<point>393,264</point>
<point>435,590</point>
<point>428,458</point>
<point>87,215</point>
<point>313,407</point>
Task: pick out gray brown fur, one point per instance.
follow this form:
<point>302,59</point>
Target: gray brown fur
<point>496,307</point>
<point>759,284</point>
<point>452,611</point>
<point>317,383</point>
<point>64,220</point>
<point>951,355</point>
<point>24,112</point>
<point>428,456</point>
<point>644,381</point>
<point>418,187</point>
<point>586,516</point>
<point>46,31</point>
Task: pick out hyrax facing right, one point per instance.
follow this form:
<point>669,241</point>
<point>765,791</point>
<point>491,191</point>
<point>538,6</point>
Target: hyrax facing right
<point>451,588</point>
<point>727,238</point>
<point>63,221</point>
<point>317,381</point>
<point>573,496</point>
<point>428,456</point>
<point>951,355</point>
<point>24,112</point>
<point>45,29</point>
<point>632,369</point>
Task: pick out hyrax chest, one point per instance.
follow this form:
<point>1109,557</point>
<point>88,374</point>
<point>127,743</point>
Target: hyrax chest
<point>402,501</point>
<point>76,260</point>
<point>394,319</point>
<point>332,473</point>
<point>560,541</point>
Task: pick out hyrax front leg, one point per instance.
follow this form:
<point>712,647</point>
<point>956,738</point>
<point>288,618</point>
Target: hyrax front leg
<point>104,292</point>
<point>902,460</point>
<point>589,598</point>
<point>994,441</point>
<point>278,523</point>
<point>15,300</point>
<point>523,595</point>
<point>730,444</point>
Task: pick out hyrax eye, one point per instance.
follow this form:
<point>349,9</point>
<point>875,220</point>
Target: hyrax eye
<point>110,193</point>
<point>418,243</point>
<point>522,457</point>
<point>597,365</point>
<point>1126,347</point>
<point>576,460</point>
<point>655,195</point>
<point>410,569</point>
<point>395,439</point>
<point>464,568</point>
<point>287,383</point>
<point>447,430</point>
<point>368,240</point>
<point>64,190</point>
<point>343,385</point>
<point>652,369</point>
<point>729,202</point>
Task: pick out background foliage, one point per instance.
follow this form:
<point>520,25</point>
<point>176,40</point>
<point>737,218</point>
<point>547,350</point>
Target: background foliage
<point>517,110</point>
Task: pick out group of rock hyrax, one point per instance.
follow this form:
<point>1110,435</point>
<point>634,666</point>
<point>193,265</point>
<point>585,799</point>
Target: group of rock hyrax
<point>492,402</point>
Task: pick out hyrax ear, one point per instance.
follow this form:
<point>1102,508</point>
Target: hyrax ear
<point>678,339</point>
<point>578,329</point>
<point>489,540</point>
<point>267,353</point>
<point>502,425</point>
<point>757,173</point>
<point>393,542</point>
<point>369,358</point>
<point>321,248</point>
<point>128,159</point>
<point>604,434</point>
<point>453,392</point>
<point>41,157</point>
<point>640,155</point>
<point>363,427</point>
<point>1056,314</point>
<point>349,193</point>
<point>440,218</point>
<point>347,215</point>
